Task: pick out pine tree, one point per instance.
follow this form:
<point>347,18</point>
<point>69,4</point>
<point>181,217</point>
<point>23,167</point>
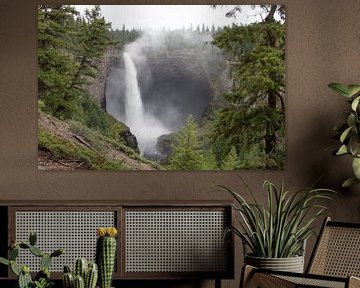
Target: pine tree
<point>231,161</point>
<point>187,153</point>
<point>212,31</point>
<point>55,66</point>
<point>255,111</point>
<point>93,40</point>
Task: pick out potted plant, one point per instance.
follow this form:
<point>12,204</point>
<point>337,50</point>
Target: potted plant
<point>349,132</point>
<point>42,278</point>
<point>276,233</point>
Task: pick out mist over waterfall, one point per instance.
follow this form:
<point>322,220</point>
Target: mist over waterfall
<point>161,79</point>
<point>143,125</point>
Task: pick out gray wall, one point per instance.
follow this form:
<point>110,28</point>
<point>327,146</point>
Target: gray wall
<point>323,46</point>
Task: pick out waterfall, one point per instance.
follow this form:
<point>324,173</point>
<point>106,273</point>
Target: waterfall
<point>142,123</point>
<point>133,102</point>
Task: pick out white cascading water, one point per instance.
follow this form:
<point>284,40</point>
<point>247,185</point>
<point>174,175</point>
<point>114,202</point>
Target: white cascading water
<point>133,102</point>
<point>144,126</point>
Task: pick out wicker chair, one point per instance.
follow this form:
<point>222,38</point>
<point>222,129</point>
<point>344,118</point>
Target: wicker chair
<point>334,263</point>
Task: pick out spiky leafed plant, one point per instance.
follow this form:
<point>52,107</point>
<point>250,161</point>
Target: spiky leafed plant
<point>279,229</point>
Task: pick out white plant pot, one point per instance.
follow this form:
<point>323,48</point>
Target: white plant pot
<point>291,264</point>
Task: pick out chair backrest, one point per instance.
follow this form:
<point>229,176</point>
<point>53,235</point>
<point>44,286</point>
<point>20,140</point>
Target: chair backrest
<point>337,251</point>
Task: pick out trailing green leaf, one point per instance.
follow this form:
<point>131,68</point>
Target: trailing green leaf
<point>349,131</point>
<point>340,88</point>
<point>355,103</point>
<point>349,182</point>
<point>4,261</point>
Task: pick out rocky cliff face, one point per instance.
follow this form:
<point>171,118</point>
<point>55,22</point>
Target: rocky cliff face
<point>96,88</point>
<point>174,85</point>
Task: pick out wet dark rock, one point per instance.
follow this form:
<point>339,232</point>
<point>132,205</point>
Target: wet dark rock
<point>164,147</point>
<point>130,139</point>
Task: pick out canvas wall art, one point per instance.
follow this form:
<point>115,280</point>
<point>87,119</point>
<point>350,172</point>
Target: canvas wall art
<point>161,87</point>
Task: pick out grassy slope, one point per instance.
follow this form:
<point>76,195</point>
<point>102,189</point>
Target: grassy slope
<point>73,145</point>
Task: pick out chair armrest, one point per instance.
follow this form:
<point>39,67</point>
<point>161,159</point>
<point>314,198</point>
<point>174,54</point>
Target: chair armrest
<point>255,277</point>
<point>252,277</point>
<point>354,282</point>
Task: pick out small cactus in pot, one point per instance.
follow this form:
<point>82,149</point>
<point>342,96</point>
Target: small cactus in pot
<point>106,254</point>
<point>85,275</point>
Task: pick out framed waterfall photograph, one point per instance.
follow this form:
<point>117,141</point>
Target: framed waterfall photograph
<point>161,87</point>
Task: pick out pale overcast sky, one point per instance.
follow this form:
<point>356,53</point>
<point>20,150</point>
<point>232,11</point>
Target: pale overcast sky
<point>171,16</point>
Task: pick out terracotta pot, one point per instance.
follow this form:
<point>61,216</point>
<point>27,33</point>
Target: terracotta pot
<point>291,264</point>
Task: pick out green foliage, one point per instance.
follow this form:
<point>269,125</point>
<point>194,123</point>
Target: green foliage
<point>279,229</point>
<point>124,36</point>
<point>100,141</point>
<point>41,105</point>
<point>93,38</point>
<point>114,127</point>
<point>92,115</point>
<point>187,151</point>
<point>209,161</point>
<point>67,149</point>
<point>55,67</point>
<point>349,132</point>
<point>231,160</point>
<point>42,278</point>
<point>254,115</point>
<point>91,136</point>
<point>43,283</point>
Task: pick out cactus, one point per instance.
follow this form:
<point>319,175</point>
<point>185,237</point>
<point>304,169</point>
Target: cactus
<point>44,273</point>
<point>57,252</point>
<point>105,255</point>
<point>45,261</point>
<point>32,238</point>
<point>89,272</point>
<point>91,276</point>
<point>67,269</point>
<point>80,267</point>
<point>24,246</point>
<point>14,268</point>
<point>36,251</point>
<point>68,280</point>
<point>24,278</point>
<point>13,253</point>
<point>23,273</point>
<point>79,282</point>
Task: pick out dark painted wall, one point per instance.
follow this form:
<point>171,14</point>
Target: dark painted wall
<point>323,46</point>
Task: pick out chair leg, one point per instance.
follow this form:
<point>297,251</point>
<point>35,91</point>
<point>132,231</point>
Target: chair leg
<point>217,282</point>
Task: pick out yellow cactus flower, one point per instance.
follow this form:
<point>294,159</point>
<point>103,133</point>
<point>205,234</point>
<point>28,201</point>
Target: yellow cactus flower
<point>106,231</point>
